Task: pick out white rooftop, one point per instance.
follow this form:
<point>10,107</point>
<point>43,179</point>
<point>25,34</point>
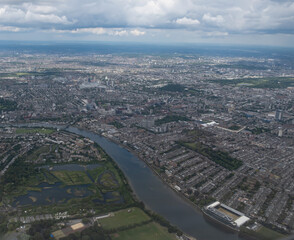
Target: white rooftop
<point>241,220</point>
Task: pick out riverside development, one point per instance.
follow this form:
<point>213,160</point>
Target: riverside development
<point>228,217</point>
<point>211,129</point>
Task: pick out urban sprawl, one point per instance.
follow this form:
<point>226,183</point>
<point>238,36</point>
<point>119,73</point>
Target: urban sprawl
<point>213,128</point>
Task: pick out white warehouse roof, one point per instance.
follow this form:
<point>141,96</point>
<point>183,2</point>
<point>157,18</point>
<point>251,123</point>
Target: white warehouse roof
<point>214,204</point>
<point>241,220</point>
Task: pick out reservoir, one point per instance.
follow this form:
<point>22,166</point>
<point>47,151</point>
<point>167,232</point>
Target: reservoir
<point>155,194</point>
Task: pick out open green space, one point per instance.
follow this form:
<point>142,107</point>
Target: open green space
<point>108,181</point>
<point>240,65</point>
<point>259,130</point>
<point>269,234</point>
<point>102,188</point>
<point>263,233</point>
<point>116,124</point>
<point>124,218</point>
<point>7,105</point>
<point>34,130</point>
<point>95,173</point>
<point>72,177</point>
<point>146,232</point>
<point>35,153</point>
<point>235,127</point>
<point>270,82</point>
<point>173,87</point>
<point>219,157</point>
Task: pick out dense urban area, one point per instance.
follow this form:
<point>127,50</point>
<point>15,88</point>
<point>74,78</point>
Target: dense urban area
<point>214,128</point>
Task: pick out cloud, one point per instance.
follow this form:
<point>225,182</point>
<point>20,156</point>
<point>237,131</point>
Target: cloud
<point>216,20</point>
<point>136,32</point>
<point>11,29</point>
<point>187,21</point>
<point>26,15</point>
<point>122,18</point>
<point>97,31</point>
<point>100,31</point>
<point>217,34</point>
<point>120,33</point>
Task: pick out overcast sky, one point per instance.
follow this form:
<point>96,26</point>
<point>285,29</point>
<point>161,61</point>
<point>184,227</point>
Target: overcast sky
<point>269,22</point>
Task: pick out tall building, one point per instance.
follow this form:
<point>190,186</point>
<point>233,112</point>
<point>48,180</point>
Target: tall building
<point>279,115</point>
<point>280,132</point>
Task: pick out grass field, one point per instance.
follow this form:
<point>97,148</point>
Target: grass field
<point>95,173</point>
<point>228,213</point>
<point>41,150</point>
<point>269,234</point>
<point>124,218</point>
<point>268,82</point>
<point>146,232</point>
<point>34,130</point>
<point>107,181</point>
<point>72,177</point>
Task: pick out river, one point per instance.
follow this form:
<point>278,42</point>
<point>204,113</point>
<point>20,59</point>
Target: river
<point>155,194</point>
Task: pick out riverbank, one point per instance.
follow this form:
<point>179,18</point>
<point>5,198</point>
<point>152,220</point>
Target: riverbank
<point>153,170</point>
<point>152,191</point>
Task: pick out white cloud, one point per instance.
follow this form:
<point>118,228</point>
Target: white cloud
<point>120,33</point>
<point>217,34</point>
<point>97,31</point>
<point>101,31</point>
<point>124,17</point>
<point>10,29</point>
<point>187,21</point>
<point>45,9</point>
<point>218,20</point>
<point>14,15</point>
<point>44,18</point>
<point>137,32</point>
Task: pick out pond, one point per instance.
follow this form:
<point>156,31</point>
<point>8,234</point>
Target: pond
<point>46,194</point>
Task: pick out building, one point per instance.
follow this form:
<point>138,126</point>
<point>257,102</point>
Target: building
<point>279,115</point>
<point>280,132</point>
<point>67,231</point>
<point>225,216</point>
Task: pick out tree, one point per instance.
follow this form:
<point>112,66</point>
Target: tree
<point>86,220</point>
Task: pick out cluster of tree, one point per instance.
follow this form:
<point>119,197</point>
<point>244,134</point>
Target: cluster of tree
<point>3,224</point>
<point>159,219</point>
<point>7,105</point>
<point>103,153</point>
<point>40,230</point>
<point>235,127</point>
<point>259,130</point>
<point>173,88</point>
<point>203,200</point>
<point>18,173</point>
<point>92,233</point>
<point>116,124</point>
<point>221,158</point>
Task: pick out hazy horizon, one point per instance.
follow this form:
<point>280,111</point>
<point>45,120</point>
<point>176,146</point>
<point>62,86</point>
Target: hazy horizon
<point>253,22</point>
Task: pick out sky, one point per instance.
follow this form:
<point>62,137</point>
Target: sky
<point>250,22</point>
